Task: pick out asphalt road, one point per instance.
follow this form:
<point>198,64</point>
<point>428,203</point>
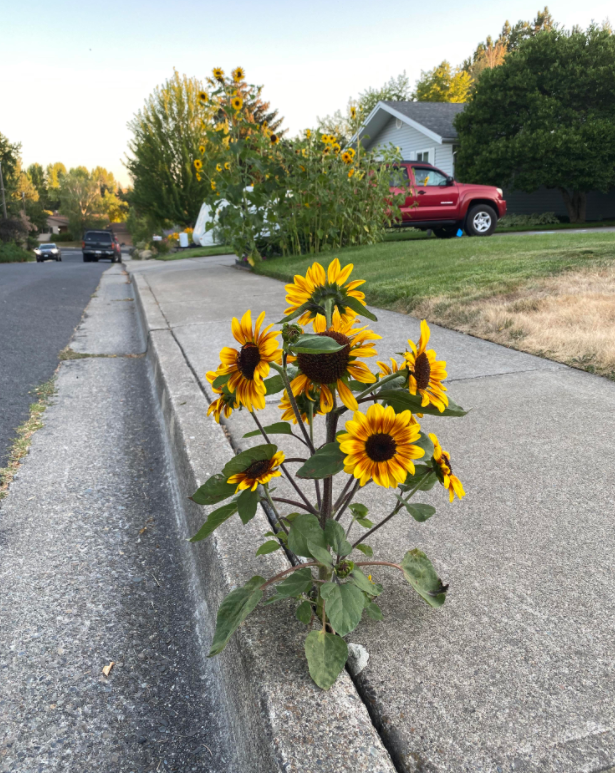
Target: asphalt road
<point>40,306</point>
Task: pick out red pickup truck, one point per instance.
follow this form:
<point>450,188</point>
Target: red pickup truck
<point>435,201</point>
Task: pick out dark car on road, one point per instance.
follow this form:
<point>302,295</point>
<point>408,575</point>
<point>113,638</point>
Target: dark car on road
<point>47,252</point>
<point>436,201</point>
<point>100,244</point>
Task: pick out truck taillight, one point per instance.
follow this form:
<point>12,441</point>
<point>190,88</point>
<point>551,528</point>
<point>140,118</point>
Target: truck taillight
<point>82,245</point>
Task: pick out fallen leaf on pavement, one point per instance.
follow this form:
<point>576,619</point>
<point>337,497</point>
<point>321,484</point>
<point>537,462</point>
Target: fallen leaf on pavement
<point>107,669</point>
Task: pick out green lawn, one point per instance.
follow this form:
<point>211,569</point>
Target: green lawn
<point>400,274</point>
<point>196,252</point>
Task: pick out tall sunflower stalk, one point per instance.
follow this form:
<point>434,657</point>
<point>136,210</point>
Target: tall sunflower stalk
<point>316,363</point>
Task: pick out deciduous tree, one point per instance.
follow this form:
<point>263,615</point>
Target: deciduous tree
<point>443,84</point>
<point>546,116</point>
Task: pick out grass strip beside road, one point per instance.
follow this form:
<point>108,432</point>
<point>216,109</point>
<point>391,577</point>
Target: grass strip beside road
<point>24,432</point>
<point>515,290</point>
<point>196,252</point>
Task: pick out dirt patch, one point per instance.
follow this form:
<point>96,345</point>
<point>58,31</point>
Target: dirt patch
<point>569,318</point>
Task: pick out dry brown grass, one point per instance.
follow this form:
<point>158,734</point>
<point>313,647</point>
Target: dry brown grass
<point>569,318</point>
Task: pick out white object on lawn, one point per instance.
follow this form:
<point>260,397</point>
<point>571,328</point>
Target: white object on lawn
<point>201,236</point>
<point>183,239</point>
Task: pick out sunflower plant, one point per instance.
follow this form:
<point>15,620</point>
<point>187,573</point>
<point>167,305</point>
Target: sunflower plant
<point>287,196</point>
<point>359,427</point>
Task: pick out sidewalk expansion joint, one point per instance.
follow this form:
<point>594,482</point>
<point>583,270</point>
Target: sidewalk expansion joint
<point>504,373</point>
<point>69,354</point>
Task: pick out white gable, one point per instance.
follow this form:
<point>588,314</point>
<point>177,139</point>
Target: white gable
<point>412,142</point>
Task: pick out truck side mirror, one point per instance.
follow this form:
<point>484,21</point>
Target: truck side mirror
<point>450,180</point>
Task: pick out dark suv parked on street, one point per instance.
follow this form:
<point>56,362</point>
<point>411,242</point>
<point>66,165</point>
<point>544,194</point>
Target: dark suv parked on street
<point>100,244</point>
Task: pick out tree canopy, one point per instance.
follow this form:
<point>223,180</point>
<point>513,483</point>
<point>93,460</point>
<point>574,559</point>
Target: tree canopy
<point>546,116</point>
<point>443,84</point>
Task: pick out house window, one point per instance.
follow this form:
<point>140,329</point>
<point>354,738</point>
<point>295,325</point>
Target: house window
<point>426,156</point>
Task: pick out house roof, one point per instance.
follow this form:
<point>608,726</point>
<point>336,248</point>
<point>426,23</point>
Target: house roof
<point>434,119</point>
<point>436,116</point>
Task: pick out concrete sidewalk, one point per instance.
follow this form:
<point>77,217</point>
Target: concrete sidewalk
<point>516,672</point>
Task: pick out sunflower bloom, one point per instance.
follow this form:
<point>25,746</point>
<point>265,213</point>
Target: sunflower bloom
<point>346,157</point>
<point>444,470</point>
<point>426,373</point>
<point>225,404</point>
<point>203,96</point>
<point>380,446</point>
<point>201,149</point>
<point>198,177</point>
<point>198,164</point>
<point>323,373</point>
<point>227,165</point>
<point>249,366</point>
<point>353,112</point>
<point>336,147</point>
<point>350,173</point>
<point>218,73</point>
<point>238,74</point>
<point>213,185</point>
<point>258,472</point>
<point>351,151</point>
<point>387,370</point>
<point>237,103</point>
<point>274,139</point>
<point>303,401</point>
<point>317,285</point>
<point>326,150</point>
<point>325,138</point>
<point>308,134</point>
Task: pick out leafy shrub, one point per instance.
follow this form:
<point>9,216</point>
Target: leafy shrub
<point>13,230</point>
<point>521,221</point>
<point>65,237</point>
<point>11,253</point>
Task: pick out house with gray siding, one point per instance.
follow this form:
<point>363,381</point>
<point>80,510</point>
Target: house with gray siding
<point>424,131</point>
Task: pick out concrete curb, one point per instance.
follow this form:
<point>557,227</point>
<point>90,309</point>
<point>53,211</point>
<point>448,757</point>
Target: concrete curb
<point>280,720</point>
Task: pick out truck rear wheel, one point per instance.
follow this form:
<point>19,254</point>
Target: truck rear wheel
<point>481,220</point>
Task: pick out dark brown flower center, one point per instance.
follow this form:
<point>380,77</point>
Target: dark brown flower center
<point>422,371</point>
<point>380,447</point>
<point>256,469</point>
<point>326,368</point>
<point>248,359</point>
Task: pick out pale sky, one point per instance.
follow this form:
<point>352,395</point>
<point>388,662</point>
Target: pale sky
<point>73,72</point>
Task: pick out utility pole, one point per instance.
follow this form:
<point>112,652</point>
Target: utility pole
<point>2,189</point>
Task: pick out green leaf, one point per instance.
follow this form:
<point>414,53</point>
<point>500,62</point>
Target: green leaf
<point>310,343</point>
<point>243,460</point>
<point>304,528</point>
<point>344,606</point>
<point>279,428</point>
<point>424,475</point>
<point>426,444</point>
<point>234,610</point>
<point>296,583</point>
<point>320,554</point>
<point>274,385</point>
<point>365,549</point>
<point>336,538</point>
<point>420,512</point>
<point>327,461</point>
<point>220,381</point>
<point>296,313</point>
<point>373,611</point>
<point>214,490</point>
<point>215,519</point>
<point>303,613</point>
<point>358,510</point>
<point>326,656</point>
<point>247,504</point>
<point>361,581</point>
<point>365,523</point>
<point>356,305</point>
<point>419,572</point>
<point>268,547</point>
<point>401,400</point>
